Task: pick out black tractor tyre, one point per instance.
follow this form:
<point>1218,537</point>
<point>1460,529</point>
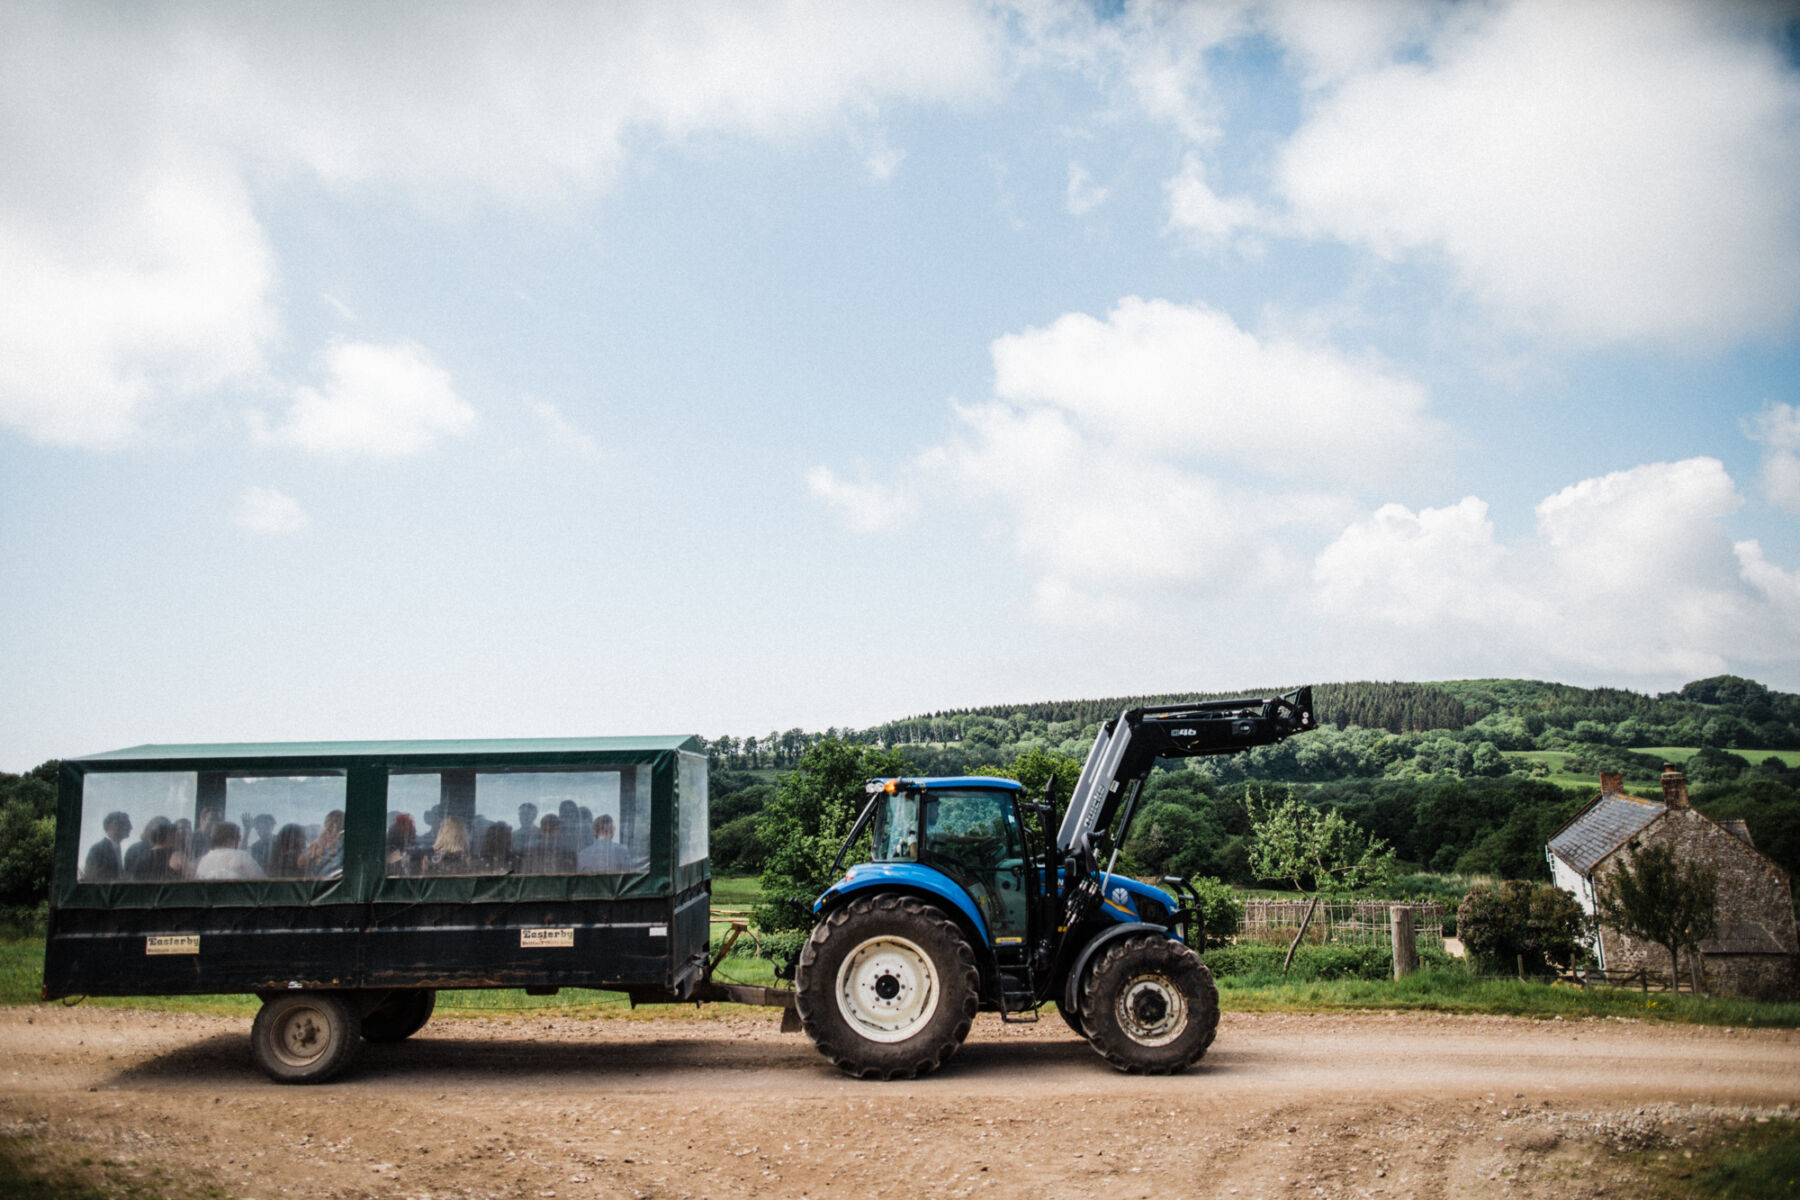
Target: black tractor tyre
<point>887,987</point>
<point>305,1037</point>
<point>1072,1018</point>
<point>1150,1006</point>
<point>401,1015</point>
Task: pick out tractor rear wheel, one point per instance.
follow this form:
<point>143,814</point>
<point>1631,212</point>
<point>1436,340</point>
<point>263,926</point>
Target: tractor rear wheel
<point>1150,1006</point>
<point>401,1015</point>
<point>887,987</point>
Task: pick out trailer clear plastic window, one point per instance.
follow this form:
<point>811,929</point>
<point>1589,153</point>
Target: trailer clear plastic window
<point>583,821</point>
<point>163,826</point>
<point>690,788</point>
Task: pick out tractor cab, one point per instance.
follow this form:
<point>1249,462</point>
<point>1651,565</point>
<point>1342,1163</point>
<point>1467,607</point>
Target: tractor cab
<point>959,839</point>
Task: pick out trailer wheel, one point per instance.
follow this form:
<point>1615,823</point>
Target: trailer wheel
<point>887,987</point>
<point>401,1015</point>
<point>1150,1006</point>
<point>304,1037</point>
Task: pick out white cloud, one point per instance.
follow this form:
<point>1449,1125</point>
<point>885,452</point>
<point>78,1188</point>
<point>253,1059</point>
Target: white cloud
<point>1083,195</point>
<point>266,510</point>
<point>1599,172</point>
<point>1200,214</point>
<point>561,431</point>
<point>1777,427</point>
<point>865,506</point>
<point>1169,379</point>
<point>1160,450</point>
<point>103,314</point>
<point>376,401</point>
<point>136,269</point>
<point>1628,575</point>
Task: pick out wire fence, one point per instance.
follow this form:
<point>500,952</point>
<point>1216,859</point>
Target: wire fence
<point>1344,923</point>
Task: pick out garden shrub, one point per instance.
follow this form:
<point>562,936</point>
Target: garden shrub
<point>1221,910</point>
<point>1538,924</point>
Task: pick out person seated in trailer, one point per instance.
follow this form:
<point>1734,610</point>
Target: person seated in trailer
<point>497,849</point>
<point>141,855</point>
<point>225,860</point>
<point>200,839</point>
<point>285,854</point>
<point>263,825</point>
<point>400,845</point>
<point>450,851</point>
<point>181,858</point>
<point>575,832</point>
<point>105,861</point>
<point>324,859</point>
<point>546,855</point>
<point>604,855</point>
<point>527,835</point>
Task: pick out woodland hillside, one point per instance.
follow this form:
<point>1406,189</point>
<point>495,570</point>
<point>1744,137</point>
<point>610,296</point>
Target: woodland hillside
<point>1465,776</point>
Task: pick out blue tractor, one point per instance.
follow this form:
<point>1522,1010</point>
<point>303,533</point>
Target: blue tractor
<point>964,906</point>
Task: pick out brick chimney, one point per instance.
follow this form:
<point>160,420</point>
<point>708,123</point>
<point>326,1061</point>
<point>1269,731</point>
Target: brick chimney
<point>1674,786</point>
<point>1612,783</point>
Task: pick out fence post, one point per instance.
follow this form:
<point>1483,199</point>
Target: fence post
<point>1406,946</point>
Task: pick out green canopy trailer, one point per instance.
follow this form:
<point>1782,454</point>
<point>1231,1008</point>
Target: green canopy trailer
<point>344,882</point>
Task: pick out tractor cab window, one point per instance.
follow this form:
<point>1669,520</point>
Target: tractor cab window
<point>895,828</point>
<point>974,827</point>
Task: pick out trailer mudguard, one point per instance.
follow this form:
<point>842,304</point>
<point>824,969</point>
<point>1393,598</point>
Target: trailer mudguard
<point>910,876</point>
<point>1072,985</point>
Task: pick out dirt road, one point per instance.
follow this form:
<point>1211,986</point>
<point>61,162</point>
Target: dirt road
<point>1283,1106</point>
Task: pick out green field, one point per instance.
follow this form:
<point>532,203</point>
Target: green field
<point>1555,759</point>
<point>1680,754</point>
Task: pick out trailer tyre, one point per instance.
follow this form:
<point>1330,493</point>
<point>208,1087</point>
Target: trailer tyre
<point>1150,1006</point>
<point>887,987</point>
<point>401,1015</point>
<point>305,1037</point>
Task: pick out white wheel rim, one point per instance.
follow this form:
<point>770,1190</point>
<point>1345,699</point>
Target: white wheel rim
<point>1151,1010</point>
<point>887,989</point>
<point>302,1036</point>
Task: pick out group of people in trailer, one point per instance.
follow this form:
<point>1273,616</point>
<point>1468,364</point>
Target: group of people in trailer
<point>167,850</point>
<point>570,841</point>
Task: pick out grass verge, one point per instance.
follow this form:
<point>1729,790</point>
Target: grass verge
<point>1758,1161</point>
<point>1453,990</point>
<point>30,1170</point>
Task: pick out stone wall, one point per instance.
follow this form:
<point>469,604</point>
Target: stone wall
<point>1757,950</point>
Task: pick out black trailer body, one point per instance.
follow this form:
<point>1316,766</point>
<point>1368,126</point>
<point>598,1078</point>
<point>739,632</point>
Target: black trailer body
<point>365,870</point>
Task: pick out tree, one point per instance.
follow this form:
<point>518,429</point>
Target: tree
<point>806,821</point>
<point>1530,925</point>
<point>1034,769</point>
<point>1655,896</point>
<point>1315,851</point>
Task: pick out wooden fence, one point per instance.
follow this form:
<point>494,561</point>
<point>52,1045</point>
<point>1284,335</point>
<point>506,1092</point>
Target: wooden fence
<point>1344,922</point>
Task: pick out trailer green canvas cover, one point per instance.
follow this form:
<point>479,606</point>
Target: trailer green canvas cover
<point>382,865</point>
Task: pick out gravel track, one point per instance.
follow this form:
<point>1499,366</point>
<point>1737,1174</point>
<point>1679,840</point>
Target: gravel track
<point>1295,1105</point>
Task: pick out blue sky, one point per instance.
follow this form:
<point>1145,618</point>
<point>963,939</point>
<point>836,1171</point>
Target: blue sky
<point>425,370</point>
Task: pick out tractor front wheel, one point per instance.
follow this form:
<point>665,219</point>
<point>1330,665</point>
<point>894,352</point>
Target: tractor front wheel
<point>1150,1006</point>
<point>886,987</point>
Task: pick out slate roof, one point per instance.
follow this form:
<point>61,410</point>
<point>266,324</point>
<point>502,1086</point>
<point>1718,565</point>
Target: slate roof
<point>1601,828</point>
<point>1736,827</point>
